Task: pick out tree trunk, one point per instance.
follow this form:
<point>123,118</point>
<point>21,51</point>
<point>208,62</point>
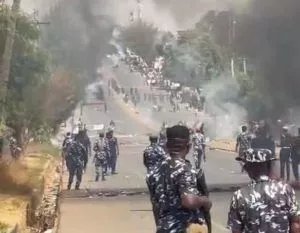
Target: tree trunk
<point>19,134</point>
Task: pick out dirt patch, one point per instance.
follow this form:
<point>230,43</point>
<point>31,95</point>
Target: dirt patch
<point>223,144</point>
<point>20,179</point>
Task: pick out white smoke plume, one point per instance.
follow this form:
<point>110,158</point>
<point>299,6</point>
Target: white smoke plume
<point>221,104</point>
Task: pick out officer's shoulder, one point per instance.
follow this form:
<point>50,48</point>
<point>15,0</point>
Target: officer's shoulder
<point>283,185</point>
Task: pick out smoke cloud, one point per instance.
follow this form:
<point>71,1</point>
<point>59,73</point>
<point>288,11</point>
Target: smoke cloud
<point>227,115</point>
<point>272,26</point>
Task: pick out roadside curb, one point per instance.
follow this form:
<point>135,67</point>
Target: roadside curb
<point>94,193</point>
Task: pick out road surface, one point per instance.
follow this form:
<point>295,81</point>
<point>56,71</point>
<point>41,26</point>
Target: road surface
<point>133,213</point>
<point>127,214</point>
<point>221,169</point>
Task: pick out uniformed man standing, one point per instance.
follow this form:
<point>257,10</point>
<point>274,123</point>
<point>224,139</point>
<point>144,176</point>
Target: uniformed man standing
<point>67,141</point>
<point>199,146</point>
<point>86,142</point>
<point>285,153</point>
<point>162,136</point>
<point>263,140</point>
<point>266,205</point>
<point>113,148</point>
<point>243,142</point>
<point>101,157</point>
<point>75,158</point>
<point>173,188</point>
<point>153,154</point>
<point>295,155</point>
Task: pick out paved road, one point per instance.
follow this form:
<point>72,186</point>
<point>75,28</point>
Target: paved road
<point>132,132</point>
<point>133,214</point>
<point>127,214</point>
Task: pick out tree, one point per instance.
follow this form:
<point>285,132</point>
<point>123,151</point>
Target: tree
<point>26,85</point>
<point>10,18</point>
<point>77,39</point>
<point>62,94</point>
<point>194,61</point>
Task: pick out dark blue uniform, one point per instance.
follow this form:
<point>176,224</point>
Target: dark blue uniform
<point>166,183</point>
<point>153,156</point>
<point>113,149</point>
<point>101,158</point>
<point>75,158</point>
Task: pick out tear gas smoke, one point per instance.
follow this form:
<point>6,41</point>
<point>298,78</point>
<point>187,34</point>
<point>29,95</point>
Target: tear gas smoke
<point>221,104</point>
<point>96,21</point>
<point>272,34</point>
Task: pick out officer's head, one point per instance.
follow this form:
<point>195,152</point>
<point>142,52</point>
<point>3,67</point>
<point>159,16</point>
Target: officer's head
<point>153,139</point>
<point>109,132</point>
<point>81,134</point>
<point>257,162</point>
<point>178,141</point>
<point>244,128</point>
<point>200,128</point>
<point>285,130</point>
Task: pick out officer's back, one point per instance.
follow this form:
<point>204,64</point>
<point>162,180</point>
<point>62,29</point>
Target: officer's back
<point>154,154</point>
<point>263,141</point>
<point>75,154</point>
<point>173,188</point>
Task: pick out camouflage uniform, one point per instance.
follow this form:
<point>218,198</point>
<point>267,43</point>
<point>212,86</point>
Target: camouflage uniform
<point>167,183</point>
<point>198,149</point>
<point>113,149</point>
<point>153,155</point>
<point>75,158</point>
<point>243,141</point>
<point>85,141</point>
<point>265,205</point>
<point>101,158</point>
<point>66,143</point>
<point>295,155</point>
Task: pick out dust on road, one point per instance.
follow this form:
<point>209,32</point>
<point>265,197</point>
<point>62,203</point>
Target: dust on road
<point>127,214</point>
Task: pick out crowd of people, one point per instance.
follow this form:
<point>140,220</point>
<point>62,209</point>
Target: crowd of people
<point>179,194</point>
<point>77,149</point>
<point>154,78</point>
<point>289,146</point>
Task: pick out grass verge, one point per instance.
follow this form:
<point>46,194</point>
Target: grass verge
<point>19,179</point>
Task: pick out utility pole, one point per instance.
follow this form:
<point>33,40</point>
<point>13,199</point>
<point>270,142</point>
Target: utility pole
<point>232,32</point>
<point>5,62</point>
<point>245,65</point>
<point>139,13</point>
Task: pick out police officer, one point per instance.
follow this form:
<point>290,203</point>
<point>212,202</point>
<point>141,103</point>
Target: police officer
<point>162,139</point>
<point>243,141</point>
<point>295,155</point>
<point>199,146</point>
<point>285,153</point>
<point>101,157</point>
<point>266,205</point>
<point>203,190</point>
<point>75,157</point>
<point>84,139</point>
<point>113,149</point>
<point>153,154</point>
<point>263,140</point>
<point>173,188</point>
<point>67,141</point>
